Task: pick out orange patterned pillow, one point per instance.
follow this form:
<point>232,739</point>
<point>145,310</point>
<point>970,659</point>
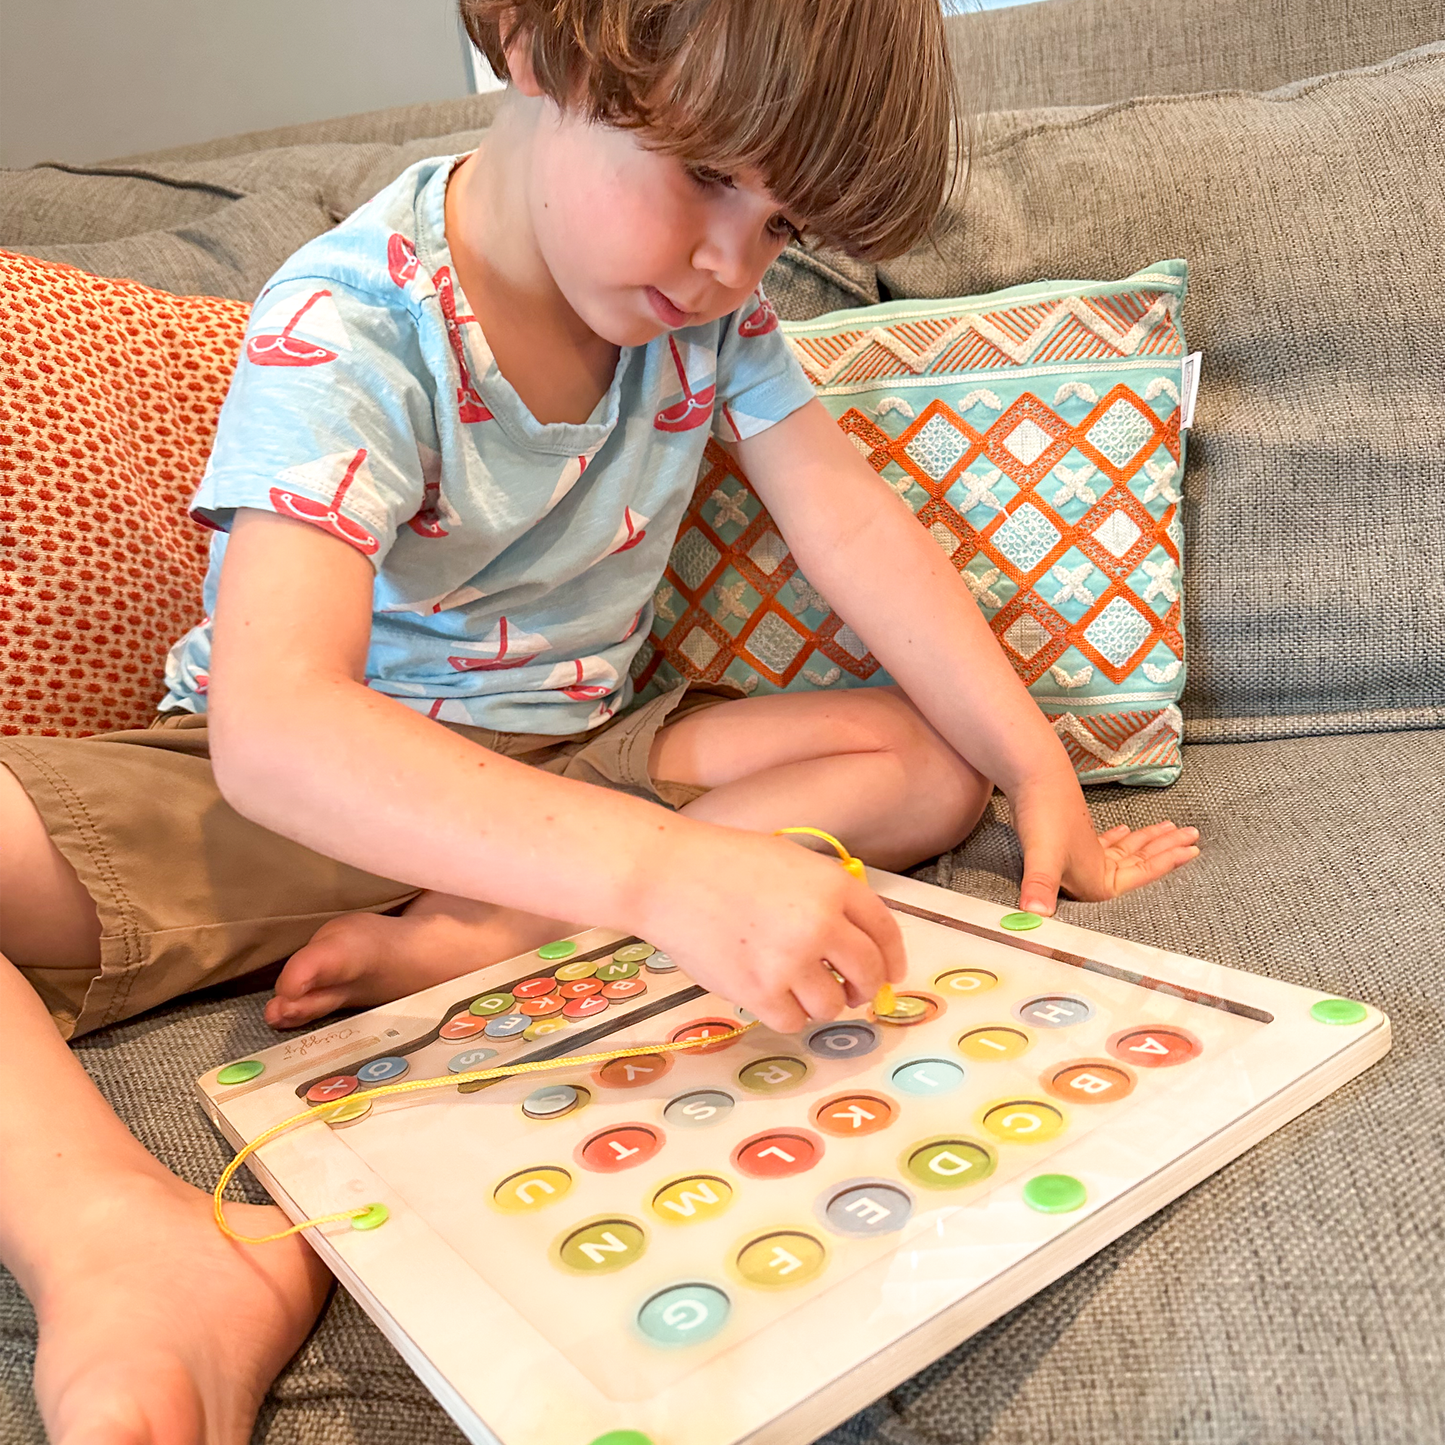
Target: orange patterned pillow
<point>109,394</point>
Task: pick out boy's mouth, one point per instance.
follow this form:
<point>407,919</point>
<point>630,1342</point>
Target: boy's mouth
<point>666,312</point>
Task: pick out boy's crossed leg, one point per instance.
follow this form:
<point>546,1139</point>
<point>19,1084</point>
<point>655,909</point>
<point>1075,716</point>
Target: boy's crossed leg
<point>864,765</point>
<point>154,1330</point>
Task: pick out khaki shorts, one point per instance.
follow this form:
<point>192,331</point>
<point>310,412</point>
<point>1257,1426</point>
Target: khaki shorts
<point>192,894</point>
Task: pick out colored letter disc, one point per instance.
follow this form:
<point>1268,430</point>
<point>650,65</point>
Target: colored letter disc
<point>778,1153</point>
<point>696,1197</point>
<point>463,1026</point>
<point>926,1077</point>
<point>724,1029</point>
<point>779,1260</point>
<point>992,1043</point>
<point>1160,1048</point>
<point>773,1075</point>
<point>580,988</point>
<point>963,982</point>
<point>571,972</point>
<point>634,953</point>
<point>865,1210</point>
<point>948,1163</point>
<point>469,1059</point>
<point>1024,1121</point>
<point>621,988</point>
<point>634,1072</point>
<point>328,1091</point>
<point>507,1026</point>
<point>853,1115</point>
<point>843,1041</point>
<point>552,1101</point>
<point>379,1071</point>
<point>623,1147</point>
<point>686,1314</point>
<point>603,1246</point>
<point>491,1004</point>
<point>1090,1081</point>
<point>698,1109</point>
<point>531,1189</point>
<point>1054,1011</point>
<point>585,1008</point>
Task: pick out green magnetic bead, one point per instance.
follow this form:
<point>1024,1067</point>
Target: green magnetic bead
<point>1020,922</point>
<point>239,1073</point>
<point>1337,1011</point>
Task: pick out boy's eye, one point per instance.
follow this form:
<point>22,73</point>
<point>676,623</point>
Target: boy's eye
<point>706,176</point>
<point>780,225</point>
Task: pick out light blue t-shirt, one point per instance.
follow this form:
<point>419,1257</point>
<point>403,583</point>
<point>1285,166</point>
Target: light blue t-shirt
<point>515,561</point>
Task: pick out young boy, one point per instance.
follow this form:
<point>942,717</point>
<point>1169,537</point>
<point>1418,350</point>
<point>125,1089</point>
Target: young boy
<point>448,474</point>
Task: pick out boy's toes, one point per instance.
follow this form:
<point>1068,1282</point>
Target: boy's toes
<point>324,974</point>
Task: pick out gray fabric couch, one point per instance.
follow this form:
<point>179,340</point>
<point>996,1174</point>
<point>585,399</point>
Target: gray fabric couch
<point>1299,1294</point>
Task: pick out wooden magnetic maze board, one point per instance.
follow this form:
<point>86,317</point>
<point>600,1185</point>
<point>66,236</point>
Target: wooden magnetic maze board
<point>753,1240</point>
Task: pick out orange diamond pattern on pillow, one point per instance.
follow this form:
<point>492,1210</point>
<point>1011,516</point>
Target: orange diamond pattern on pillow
<point>1035,436</point>
<point>109,395</point>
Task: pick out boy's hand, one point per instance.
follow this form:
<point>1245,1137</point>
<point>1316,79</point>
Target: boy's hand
<point>762,922</point>
<point>1061,848</point>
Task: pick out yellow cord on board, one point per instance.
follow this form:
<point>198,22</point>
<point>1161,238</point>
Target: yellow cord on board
<point>883,1003</point>
<point>323,1112</point>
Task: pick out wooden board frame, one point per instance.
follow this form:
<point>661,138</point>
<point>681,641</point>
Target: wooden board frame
<point>877,1324</point>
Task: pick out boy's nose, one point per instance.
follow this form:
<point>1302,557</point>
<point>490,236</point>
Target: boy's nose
<point>735,261</point>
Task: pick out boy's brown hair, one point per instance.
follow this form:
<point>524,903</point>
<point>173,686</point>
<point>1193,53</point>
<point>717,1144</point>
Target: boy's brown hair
<point>845,109</point>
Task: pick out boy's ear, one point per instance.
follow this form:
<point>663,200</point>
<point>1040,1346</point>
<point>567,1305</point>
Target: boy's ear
<point>518,47</point>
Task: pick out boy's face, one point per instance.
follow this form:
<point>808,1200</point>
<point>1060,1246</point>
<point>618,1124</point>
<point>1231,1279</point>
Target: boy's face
<point>640,243</point>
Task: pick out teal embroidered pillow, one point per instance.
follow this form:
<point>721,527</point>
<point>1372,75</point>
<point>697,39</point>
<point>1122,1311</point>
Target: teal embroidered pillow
<point>1035,433</point>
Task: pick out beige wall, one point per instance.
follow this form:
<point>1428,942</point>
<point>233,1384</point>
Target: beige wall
<point>85,80</point>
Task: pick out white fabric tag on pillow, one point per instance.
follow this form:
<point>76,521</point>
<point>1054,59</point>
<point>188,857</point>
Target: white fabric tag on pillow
<point>1189,389</point>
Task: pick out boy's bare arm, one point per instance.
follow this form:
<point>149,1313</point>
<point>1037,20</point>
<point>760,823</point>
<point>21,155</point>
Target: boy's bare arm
<point>863,550</point>
<point>303,747</point>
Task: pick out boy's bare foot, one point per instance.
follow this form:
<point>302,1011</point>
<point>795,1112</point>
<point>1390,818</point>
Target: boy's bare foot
<point>363,959</point>
<point>156,1330</point>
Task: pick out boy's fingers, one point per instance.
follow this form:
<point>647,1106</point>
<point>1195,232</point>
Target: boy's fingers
<point>875,919</point>
<point>784,1015</point>
<point>1181,838</point>
<point>857,958</point>
<point>1043,872</point>
<point>1151,869</point>
<point>820,996</point>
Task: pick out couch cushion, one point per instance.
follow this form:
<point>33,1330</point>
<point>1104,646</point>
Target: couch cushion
<point>1291,1297</point>
<point>109,395</point>
<point>229,253</point>
<point>1093,52</point>
<point>1314,510</point>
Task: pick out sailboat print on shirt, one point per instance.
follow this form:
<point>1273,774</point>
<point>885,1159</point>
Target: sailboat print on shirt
<point>503,647</point>
<point>695,408</point>
<point>306,335</point>
<point>761,320</point>
<point>470,406</point>
<point>401,259</point>
<point>344,473</point>
<point>436,514</point>
<point>630,531</point>
<point>584,679</point>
